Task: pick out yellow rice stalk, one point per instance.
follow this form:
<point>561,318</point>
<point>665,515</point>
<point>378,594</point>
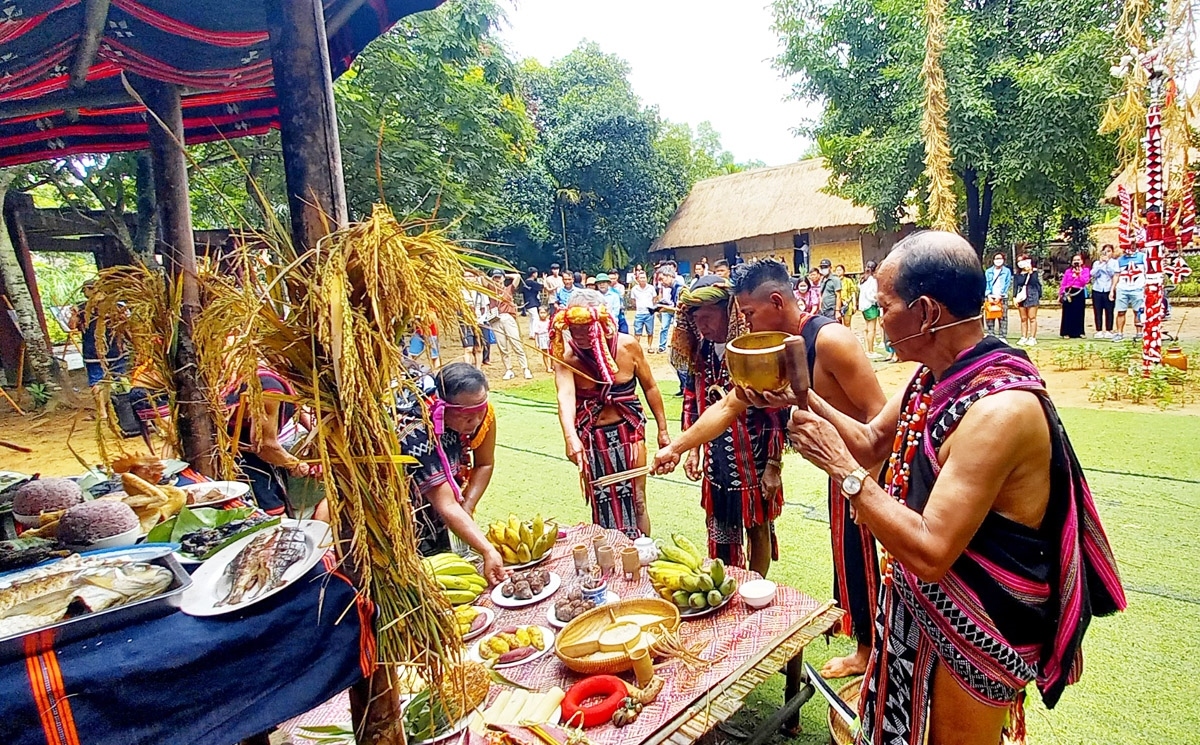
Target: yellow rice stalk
<point>131,304</point>
<point>332,323</point>
<point>1125,114</point>
<point>942,203</point>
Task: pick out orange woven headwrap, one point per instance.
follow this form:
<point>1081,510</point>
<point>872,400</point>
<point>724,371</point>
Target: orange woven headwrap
<point>602,329</point>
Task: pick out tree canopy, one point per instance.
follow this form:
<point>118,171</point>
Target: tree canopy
<point>1027,82</point>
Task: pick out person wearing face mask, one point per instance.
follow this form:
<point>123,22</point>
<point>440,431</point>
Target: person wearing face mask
<point>1028,295</point>
<point>831,291</point>
<point>994,556</point>
<point>997,283</point>
<point>1104,272</point>
<point>842,374</point>
<point>1071,293</point>
<point>458,409</point>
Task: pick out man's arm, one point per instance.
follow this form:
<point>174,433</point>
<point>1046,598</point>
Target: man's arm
<point>564,382</point>
<point>839,354</point>
<point>869,443</point>
<point>441,498</point>
<point>265,439</point>
<point>649,388</point>
<point>715,420</point>
<point>993,439</point>
<point>483,464</point>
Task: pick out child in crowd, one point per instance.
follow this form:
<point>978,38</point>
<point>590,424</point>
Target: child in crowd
<point>540,329</point>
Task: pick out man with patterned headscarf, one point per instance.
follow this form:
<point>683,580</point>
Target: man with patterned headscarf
<point>596,375</point>
<point>741,488</point>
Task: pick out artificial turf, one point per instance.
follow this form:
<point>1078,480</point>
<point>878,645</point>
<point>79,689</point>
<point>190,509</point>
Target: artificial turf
<point>1142,668</point>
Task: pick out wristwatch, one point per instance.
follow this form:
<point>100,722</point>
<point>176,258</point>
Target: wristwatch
<point>853,483</point>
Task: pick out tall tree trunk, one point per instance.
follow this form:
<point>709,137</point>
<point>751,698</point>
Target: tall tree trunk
<point>37,351</point>
<point>146,239</point>
<point>979,208</point>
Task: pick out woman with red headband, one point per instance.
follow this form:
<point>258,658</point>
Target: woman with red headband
<point>458,409</point>
<point>601,416</point>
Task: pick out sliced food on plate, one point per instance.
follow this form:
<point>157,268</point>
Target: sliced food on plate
<point>256,566</point>
<point>203,531</point>
<point>514,645</point>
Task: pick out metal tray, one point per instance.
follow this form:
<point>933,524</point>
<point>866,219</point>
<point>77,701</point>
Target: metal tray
<point>13,646</point>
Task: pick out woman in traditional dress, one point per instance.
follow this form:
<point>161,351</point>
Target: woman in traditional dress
<point>1072,294</point>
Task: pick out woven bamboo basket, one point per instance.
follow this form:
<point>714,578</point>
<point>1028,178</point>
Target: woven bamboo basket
<point>588,627</point>
<point>839,731</point>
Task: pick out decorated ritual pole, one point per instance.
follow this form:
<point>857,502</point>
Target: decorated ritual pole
<point>1152,328</point>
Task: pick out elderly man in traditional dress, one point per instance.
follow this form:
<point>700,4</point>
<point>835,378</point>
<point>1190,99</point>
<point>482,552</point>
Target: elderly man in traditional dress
<point>994,558</point>
<point>601,416</point>
<point>741,490</point>
<point>840,372</point>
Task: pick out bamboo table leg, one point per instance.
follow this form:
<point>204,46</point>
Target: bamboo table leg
<point>797,692</point>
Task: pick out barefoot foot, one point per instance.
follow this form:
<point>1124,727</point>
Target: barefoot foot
<point>845,667</point>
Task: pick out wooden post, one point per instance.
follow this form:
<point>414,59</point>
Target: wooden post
<point>312,156</point>
<point>16,207</point>
<point>312,162</point>
<point>197,431</point>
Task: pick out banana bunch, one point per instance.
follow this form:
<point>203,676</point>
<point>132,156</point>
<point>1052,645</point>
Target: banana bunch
<point>682,577</point>
<point>522,542</point>
<point>457,578</point>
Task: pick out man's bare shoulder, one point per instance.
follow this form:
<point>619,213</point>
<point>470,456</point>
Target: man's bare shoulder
<point>1010,422</point>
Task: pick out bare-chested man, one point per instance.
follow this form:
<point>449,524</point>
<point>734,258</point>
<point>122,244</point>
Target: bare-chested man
<point>995,558</point>
<point>598,407</point>
<point>841,373</point>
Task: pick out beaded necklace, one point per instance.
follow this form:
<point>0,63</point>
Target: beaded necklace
<point>909,431</point>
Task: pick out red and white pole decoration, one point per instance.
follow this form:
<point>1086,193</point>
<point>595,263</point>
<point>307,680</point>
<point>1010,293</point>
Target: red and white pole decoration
<point>1153,242</point>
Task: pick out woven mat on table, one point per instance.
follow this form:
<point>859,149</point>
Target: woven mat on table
<point>732,635</point>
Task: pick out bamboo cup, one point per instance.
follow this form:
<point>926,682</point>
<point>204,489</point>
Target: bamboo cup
<point>643,666</point>
<point>631,563</point>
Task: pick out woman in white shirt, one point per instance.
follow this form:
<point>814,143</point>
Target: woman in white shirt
<point>868,290</point>
<point>1104,271</point>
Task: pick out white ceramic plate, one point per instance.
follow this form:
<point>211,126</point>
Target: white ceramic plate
<point>229,490</point>
<point>610,597</point>
<point>548,645</point>
<point>188,560</point>
<point>550,588</point>
<point>201,598</point>
<point>491,618</point>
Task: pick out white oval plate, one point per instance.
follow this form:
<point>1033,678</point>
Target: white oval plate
<point>200,599</point>
<point>490,615</point>
<point>550,588</point>
<point>610,597</point>
<point>547,645</point>
<point>229,489</point>
<point>526,565</point>
<point>692,614</point>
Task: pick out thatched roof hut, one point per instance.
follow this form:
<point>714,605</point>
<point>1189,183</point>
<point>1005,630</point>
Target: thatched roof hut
<point>783,212</point>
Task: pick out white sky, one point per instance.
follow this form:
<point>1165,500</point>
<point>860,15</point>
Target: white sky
<point>696,60</point>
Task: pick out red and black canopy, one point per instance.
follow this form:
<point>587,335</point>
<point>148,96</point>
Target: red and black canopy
<point>53,103</point>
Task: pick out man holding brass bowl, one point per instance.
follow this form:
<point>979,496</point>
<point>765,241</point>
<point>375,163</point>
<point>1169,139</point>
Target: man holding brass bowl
<point>841,373</point>
<point>994,557</point>
<point>742,492</point>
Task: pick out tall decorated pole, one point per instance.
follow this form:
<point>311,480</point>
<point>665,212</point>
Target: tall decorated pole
<point>1153,245</point>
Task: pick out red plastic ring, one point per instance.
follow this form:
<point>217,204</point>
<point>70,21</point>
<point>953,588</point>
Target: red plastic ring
<point>597,685</point>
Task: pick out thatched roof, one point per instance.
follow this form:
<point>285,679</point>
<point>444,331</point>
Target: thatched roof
<point>764,201</point>
<point>1141,184</point>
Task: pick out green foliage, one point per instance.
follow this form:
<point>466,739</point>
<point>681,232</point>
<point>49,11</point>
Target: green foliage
<point>1165,387</point>
<point>40,393</point>
<point>60,277</point>
<point>1026,81</point>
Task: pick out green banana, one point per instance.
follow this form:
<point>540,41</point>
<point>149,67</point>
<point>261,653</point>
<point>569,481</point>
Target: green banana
<point>715,598</point>
<point>683,543</point>
<point>717,572</point>
<point>690,582</point>
<point>679,556</point>
<point>705,583</point>
<point>460,597</point>
<point>728,586</point>
<point>698,600</point>
<point>680,598</point>
<point>453,582</point>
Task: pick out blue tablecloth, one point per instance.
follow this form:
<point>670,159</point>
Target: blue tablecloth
<point>192,681</point>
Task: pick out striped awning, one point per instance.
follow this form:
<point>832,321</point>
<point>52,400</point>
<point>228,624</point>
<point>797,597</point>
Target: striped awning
<point>218,51</point>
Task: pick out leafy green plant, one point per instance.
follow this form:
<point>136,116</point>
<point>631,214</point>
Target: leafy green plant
<point>327,734</point>
<point>40,393</point>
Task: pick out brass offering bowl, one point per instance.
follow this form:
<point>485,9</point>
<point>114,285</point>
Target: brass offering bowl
<point>756,361</point>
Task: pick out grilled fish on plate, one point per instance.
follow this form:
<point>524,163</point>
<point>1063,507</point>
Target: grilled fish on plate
<point>259,567</point>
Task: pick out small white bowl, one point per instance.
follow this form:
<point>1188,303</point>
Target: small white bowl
<point>128,538</point>
<point>758,593</point>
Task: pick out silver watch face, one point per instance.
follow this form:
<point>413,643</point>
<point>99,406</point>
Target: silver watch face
<point>852,484</point>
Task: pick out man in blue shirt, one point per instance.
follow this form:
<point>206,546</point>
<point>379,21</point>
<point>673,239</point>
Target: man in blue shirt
<point>562,296</point>
<point>997,284</point>
<point>614,299</point>
<point>1129,292</point>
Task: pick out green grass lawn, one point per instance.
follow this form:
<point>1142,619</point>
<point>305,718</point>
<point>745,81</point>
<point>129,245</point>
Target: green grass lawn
<point>1142,671</point>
